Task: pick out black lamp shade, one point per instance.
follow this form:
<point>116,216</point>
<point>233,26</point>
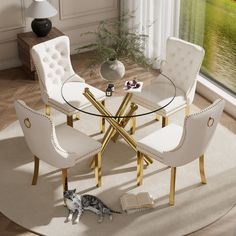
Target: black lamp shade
<point>41,27</point>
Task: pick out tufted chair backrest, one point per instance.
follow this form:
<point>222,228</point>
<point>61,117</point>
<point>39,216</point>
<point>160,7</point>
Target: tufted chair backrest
<point>197,133</point>
<point>183,62</point>
<point>53,64</point>
<point>40,135</point>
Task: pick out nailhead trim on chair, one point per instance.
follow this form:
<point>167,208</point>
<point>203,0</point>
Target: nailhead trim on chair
<point>52,138</point>
<point>52,125</point>
<point>148,152</point>
<point>189,116</point>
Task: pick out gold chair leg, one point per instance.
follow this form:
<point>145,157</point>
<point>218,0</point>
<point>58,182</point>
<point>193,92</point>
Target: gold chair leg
<point>47,110</point>
<point>201,168</point>
<point>140,158</point>
<point>70,121</point>
<point>102,121</point>
<point>98,169</point>
<point>172,186</point>
<point>77,116</point>
<point>92,164</point>
<point>64,179</point>
<point>158,117</point>
<point>133,125</point>
<point>164,121</point>
<point>187,110</point>
<point>36,170</point>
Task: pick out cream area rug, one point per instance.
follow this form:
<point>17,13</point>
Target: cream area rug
<point>40,208</point>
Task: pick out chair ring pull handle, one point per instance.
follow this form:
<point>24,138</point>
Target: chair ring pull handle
<point>27,123</point>
<point>210,121</point>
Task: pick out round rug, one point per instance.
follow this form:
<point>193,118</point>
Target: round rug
<point>40,208</point>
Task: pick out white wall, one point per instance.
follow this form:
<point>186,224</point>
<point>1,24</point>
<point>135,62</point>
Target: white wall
<point>74,17</point>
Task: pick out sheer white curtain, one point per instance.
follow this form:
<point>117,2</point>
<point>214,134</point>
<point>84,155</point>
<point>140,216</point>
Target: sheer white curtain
<point>156,18</point>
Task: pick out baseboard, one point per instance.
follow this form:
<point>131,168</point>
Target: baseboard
<point>10,63</point>
<point>211,91</point>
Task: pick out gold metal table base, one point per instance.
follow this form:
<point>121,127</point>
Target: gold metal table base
<point>116,124</point>
<point>124,121</point>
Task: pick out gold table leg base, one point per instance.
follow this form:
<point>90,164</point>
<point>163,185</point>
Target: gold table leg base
<point>114,124</point>
<point>124,121</point>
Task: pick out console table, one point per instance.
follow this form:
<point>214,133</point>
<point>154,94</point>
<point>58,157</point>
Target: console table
<point>25,42</point>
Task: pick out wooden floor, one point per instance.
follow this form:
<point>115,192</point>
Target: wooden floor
<point>14,84</point>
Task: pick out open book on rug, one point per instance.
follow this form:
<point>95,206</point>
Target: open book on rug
<point>136,202</point>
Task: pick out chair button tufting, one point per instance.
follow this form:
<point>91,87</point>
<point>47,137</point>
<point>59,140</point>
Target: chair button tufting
<point>54,56</point>
<point>52,65</point>
<point>49,75</point>
<point>45,59</point>
<point>58,72</point>
<point>63,54</point>
<point>60,63</point>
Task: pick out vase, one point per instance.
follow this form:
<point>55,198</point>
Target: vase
<point>112,69</point>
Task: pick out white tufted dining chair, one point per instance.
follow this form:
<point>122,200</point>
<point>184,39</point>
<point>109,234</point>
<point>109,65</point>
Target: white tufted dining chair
<point>176,146</point>
<point>60,146</point>
<point>53,65</point>
<point>182,65</point>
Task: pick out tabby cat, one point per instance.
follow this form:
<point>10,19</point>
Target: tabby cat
<point>77,204</point>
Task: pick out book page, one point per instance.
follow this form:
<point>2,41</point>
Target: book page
<point>129,201</point>
<point>145,200</point>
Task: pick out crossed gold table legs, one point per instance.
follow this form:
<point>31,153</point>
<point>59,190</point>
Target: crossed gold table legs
<point>116,124</point>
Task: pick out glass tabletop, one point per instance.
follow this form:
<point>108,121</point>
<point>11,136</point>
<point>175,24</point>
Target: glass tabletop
<point>158,91</point>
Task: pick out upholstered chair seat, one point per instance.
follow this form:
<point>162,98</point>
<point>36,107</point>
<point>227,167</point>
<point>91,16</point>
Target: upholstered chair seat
<point>161,141</point>
<point>77,144</point>
<point>52,61</point>
<point>60,146</point>
<point>182,65</point>
<point>154,97</point>
<point>176,146</point>
<point>73,92</point>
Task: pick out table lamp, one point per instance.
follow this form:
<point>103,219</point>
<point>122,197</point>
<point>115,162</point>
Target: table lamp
<point>41,10</point>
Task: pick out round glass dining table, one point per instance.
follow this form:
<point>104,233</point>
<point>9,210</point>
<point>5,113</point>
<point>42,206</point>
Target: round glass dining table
<point>165,93</point>
<point>159,90</point>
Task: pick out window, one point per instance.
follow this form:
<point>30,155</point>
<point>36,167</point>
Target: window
<point>212,24</point>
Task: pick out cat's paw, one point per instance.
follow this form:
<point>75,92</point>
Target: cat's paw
<point>69,218</point>
<point>75,222</point>
<point>100,219</point>
<point>66,220</point>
